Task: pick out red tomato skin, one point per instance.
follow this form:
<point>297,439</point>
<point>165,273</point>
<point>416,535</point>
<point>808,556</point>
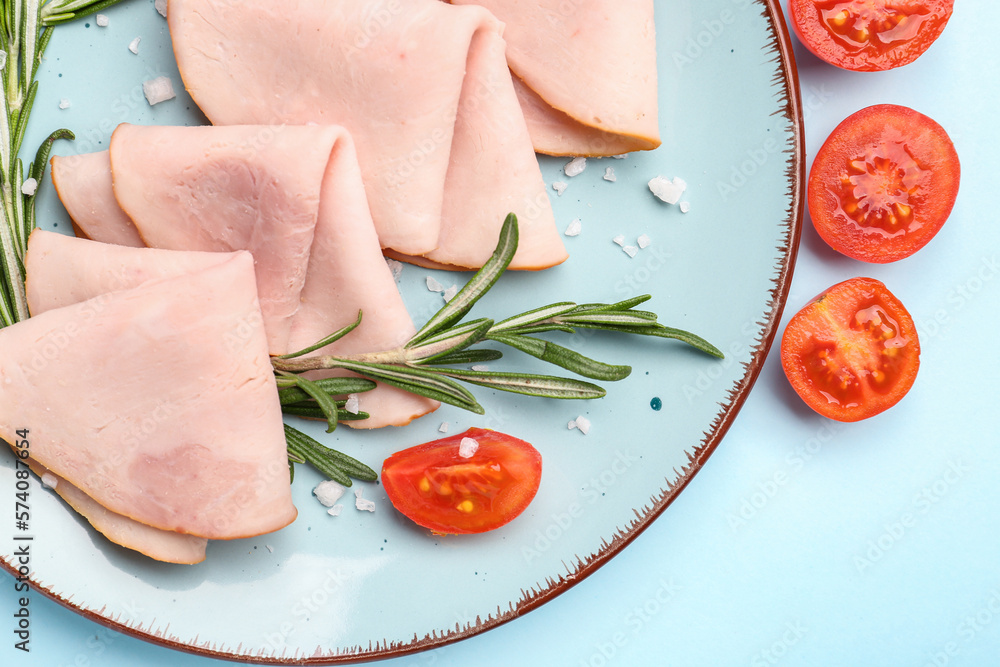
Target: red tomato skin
<point>841,47</point>
<point>825,339</point>
<point>919,149</point>
<point>503,475</point>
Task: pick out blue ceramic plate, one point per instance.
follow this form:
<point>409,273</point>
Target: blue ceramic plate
<point>363,585</point>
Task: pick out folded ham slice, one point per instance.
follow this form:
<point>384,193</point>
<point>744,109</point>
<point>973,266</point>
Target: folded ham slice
<point>184,433</point>
<point>292,196</point>
<point>83,183</point>
<point>422,86</point>
<point>585,72</point>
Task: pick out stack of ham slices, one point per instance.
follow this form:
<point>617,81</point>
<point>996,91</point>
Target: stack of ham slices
<point>169,430</point>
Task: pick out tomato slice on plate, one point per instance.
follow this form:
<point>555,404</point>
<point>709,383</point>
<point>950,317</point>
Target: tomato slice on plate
<point>869,35</point>
<point>883,183</point>
<point>442,486</point>
<point>852,352</point>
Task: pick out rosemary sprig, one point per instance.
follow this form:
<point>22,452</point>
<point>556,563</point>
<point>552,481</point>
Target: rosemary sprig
<point>417,366</point>
<point>25,30</point>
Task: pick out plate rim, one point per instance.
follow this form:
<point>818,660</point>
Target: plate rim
<point>790,104</point>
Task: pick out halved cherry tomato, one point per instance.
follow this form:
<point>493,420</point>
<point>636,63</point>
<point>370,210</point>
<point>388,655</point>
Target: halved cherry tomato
<point>869,35</point>
<point>437,488</point>
<point>883,183</point>
<point>852,352</point>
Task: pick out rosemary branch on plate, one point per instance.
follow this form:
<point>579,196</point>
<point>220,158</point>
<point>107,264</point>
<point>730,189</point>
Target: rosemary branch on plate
<point>25,30</point>
<point>424,365</point>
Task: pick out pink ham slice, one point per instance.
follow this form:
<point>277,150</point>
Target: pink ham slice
<point>184,433</point>
<point>586,72</point>
<point>83,183</point>
<point>421,86</point>
<point>161,545</point>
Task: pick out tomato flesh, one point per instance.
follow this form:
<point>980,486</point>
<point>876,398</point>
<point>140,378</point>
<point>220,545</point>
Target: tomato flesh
<point>852,352</point>
<point>869,35</point>
<point>883,184</point>
<point>438,488</point>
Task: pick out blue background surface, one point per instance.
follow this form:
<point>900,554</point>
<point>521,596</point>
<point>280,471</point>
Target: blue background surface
<point>802,541</point>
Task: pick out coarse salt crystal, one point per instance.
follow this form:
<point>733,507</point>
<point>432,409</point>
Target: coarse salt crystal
<point>269,548</point>
<point>620,157</point>
<point>395,267</point>
<point>619,240</point>
<point>133,46</point>
<point>609,174</point>
<point>685,206</point>
<point>335,510</point>
<point>443,428</point>
<point>558,186</point>
<point>64,103</point>
<point>50,480</point>
<point>450,293</point>
<point>668,191</point>
<point>161,7</point>
<point>574,228</point>
<point>433,285</point>
<point>482,368</point>
<point>575,166</point>
<point>581,423</point>
<point>101,20</point>
<point>352,404</point>
<point>29,187</point>
<point>363,504</point>
<point>158,90</point>
<point>328,492</point>
<point>644,241</point>
<point>630,250</point>
<point>468,447</point>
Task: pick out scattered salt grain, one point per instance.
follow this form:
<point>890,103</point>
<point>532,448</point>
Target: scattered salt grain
<point>101,20</point>
<point>363,504</point>
<point>335,510</point>
<point>558,186</point>
<point>450,293</point>
<point>668,191</point>
<point>630,250</point>
<point>620,157</point>
<point>29,187</point>
<point>133,46</point>
<point>574,228</point>
<point>433,285</point>
<point>269,548</point>
<point>619,240</point>
<point>644,241</point>
<point>395,267</point>
<point>685,206</point>
<point>158,90</point>
<point>443,428</point>
<point>581,423</point>
<point>328,492</point>
<point>64,103</point>
<point>49,480</point>
<point>482,368</point>
<point>609,175</point>
<point>468,447</point>
<point>352,404</point>
<point>575,166</point>
<point>161,7</point>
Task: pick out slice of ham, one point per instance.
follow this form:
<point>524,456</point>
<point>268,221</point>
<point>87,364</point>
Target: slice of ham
<point>294,197</point>
<point>586,72</point>
<point>157,402</point>
<point>83,183</point>
<point>161,545</point>
<point>444,152</point>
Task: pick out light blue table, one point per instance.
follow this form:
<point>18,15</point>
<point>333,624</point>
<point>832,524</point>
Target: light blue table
<point>802,541</point>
